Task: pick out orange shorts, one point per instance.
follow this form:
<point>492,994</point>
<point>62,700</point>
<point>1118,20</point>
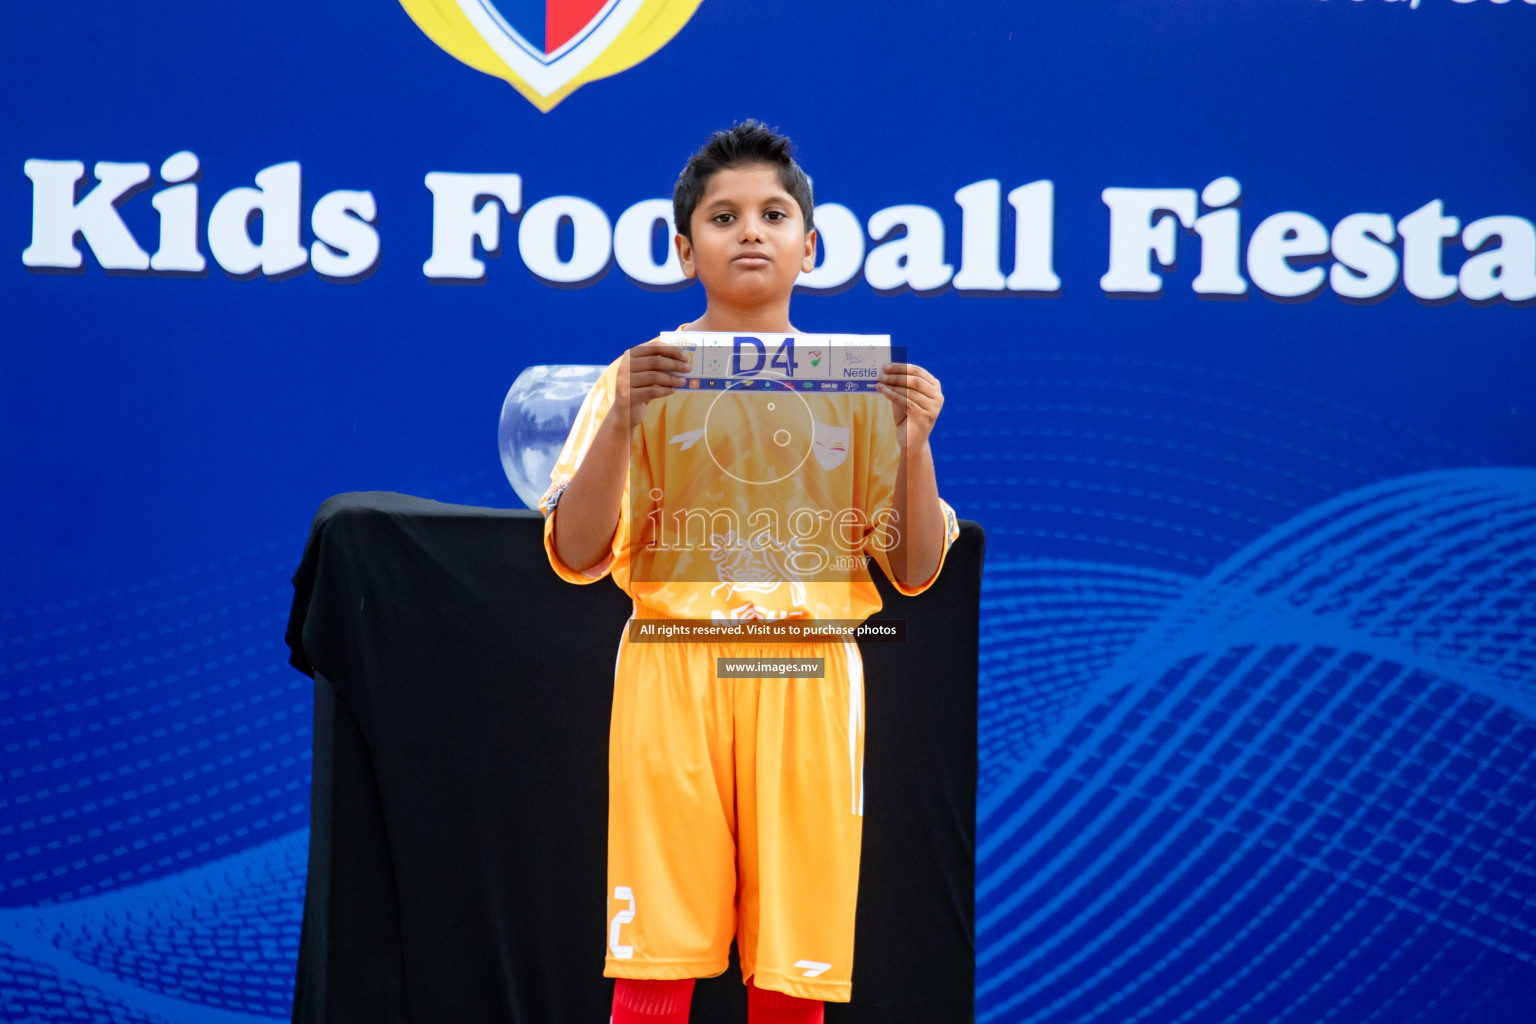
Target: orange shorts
<point>735,809</point>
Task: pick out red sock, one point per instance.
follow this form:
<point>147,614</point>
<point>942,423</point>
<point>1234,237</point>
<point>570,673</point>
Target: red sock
<point>651,1002</point>
<point>768,1007</point>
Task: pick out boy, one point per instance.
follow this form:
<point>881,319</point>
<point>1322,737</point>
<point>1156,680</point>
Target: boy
<point>735,805</point>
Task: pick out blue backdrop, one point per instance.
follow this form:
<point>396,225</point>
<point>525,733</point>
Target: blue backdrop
<point>1259,636</point>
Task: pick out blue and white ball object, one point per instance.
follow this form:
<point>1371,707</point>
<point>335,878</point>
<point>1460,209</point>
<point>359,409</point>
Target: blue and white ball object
<point>535,419</point>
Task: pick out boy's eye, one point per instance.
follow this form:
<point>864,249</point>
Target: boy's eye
<point>723,218</point>
<point>774,215</point>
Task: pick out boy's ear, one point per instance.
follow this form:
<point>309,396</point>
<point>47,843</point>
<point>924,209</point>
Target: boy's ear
<point>808,259</point>
<point>685,254</point>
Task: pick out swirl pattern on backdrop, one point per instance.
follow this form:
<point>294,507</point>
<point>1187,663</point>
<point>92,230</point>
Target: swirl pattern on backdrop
<point>1305,785</point>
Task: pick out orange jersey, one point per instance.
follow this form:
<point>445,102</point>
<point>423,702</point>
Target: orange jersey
<point>744,505</point>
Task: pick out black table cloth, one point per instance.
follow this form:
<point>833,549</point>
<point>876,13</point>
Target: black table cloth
<point>459,802</point>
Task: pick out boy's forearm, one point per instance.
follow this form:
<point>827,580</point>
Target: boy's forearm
<point>920,521</point>
<point>588,512</point>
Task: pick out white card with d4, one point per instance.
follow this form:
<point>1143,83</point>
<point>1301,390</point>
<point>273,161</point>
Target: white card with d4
<point>802,362</point>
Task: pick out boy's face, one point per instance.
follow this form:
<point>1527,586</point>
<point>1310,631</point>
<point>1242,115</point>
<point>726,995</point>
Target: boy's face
<point>749,239</point>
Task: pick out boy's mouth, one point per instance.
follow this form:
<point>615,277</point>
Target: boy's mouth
<point>752,259</point>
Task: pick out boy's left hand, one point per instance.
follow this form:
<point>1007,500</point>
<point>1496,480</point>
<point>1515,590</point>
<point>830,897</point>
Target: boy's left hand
<point>916,399</point>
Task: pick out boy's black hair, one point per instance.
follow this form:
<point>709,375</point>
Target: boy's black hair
<point>750,142</point>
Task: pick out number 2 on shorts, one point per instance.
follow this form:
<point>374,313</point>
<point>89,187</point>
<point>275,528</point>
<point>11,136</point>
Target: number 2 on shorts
<point>622,918</point>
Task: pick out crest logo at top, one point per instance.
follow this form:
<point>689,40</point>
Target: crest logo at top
<point>547,49</point>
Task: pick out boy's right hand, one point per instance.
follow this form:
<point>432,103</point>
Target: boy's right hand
<point>652,370</point>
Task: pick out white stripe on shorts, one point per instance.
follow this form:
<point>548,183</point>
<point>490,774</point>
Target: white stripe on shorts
<point>855,723</point>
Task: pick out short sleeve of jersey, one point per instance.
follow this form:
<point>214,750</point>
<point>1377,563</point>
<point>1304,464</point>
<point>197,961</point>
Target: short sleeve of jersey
<point>593,410</point>
<point>881,488</point>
